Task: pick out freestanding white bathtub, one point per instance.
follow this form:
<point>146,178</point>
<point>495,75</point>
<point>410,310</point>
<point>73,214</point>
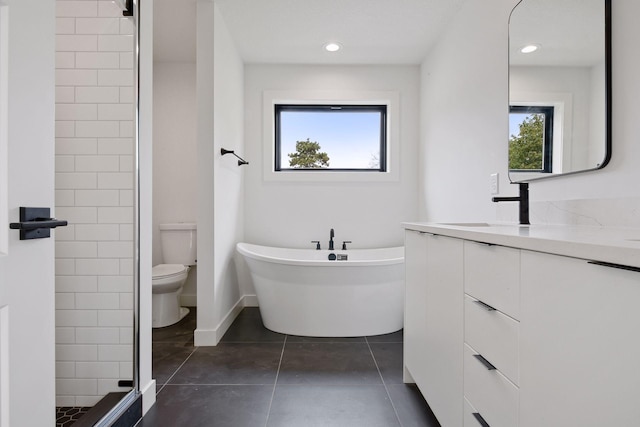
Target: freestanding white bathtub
<point>302,292</point>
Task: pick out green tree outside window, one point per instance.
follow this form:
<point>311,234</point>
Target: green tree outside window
<point>308,156</point>
<point>526,150</point>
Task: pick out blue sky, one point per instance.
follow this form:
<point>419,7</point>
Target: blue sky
<point>349,138</point>
<point>514,122</point>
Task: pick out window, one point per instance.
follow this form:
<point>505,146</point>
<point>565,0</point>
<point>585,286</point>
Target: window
<point>327,137</point>
<point>531,138</point>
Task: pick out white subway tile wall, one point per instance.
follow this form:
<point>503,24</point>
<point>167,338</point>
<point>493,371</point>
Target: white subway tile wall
<point>94,192</point>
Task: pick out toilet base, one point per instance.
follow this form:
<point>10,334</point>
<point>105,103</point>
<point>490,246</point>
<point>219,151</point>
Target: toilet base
<point>166,310</point>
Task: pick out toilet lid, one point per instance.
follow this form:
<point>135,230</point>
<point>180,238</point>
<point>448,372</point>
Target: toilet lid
<point>165,270</point>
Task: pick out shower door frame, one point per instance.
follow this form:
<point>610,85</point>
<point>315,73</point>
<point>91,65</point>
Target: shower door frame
<point>119,411</point>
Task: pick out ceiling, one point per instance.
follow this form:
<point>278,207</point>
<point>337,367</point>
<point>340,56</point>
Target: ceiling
<point>569,32</point>
<point>295,31</point>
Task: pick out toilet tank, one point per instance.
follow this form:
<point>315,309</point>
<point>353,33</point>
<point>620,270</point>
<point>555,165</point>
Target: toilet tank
<point>178,242</point>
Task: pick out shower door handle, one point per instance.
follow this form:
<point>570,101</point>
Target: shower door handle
<point>36,223</point>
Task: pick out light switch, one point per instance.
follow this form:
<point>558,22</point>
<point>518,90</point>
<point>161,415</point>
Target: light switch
<point>493,183</point>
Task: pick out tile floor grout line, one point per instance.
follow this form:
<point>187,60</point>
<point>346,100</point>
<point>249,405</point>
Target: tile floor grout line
<point>275,383</point>
<point>177,369</point>
<point>215,385</point>
<point>386,389</point>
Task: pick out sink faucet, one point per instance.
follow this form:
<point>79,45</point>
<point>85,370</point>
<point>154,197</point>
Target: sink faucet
<point>523,198</point>
<point>331,235</point>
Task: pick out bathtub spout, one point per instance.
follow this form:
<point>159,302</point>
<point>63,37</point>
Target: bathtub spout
<point>331,235</point>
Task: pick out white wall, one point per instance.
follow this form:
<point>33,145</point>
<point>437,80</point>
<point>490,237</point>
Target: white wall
<point>464,114</point>
<point>465,129</point>
<point>229,177</point>
<point>291,214</point>
<point>147,384</point>
<point>94,192</point>
<point>220,207</point>
<point>175,156</point>
<point>175,177</point>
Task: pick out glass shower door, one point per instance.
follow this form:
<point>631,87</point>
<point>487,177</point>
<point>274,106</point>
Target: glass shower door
<point>95,191</point>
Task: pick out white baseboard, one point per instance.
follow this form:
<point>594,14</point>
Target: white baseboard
<point>407,378</point>
<point>148,396</point>
<point>211,337</point>
<point>205,337</point>
<point>250,300</point>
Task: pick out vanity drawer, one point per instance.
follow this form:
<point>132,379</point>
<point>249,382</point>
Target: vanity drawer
<point>469,417</point>
<point>492,275</point>
<point>490,392</point>
<point>494,335</point>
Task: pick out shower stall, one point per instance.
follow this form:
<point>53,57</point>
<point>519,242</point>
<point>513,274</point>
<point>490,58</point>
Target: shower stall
<point>97,181</point>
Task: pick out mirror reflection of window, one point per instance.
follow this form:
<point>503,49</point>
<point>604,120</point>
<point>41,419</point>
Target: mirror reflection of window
<point>531,138</point>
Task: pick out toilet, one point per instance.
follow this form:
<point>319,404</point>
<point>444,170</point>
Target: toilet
<point>178,242</point>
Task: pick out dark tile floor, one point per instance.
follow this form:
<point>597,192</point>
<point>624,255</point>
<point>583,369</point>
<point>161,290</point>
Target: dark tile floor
<point>255,377</point>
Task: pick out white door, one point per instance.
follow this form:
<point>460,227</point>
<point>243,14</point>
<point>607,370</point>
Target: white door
<point>27,327</point>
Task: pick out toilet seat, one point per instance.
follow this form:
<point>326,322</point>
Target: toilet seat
<point>166,271</point>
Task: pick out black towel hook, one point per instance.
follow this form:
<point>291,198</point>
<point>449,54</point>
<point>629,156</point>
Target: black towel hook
<point>241,161</point>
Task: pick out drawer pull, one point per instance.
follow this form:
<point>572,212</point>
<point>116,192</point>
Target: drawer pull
<point>485,362</point>
<point>484,305</point>
<point>480,420</point>
<point>612,265</point>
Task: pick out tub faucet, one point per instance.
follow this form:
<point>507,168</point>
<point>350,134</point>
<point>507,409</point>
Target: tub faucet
<point>331,236</point>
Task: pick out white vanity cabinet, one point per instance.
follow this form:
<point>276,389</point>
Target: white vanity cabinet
<point>415,315</point>
<point>520,327</point>
<point>433,330</point>
<point>579,343</point>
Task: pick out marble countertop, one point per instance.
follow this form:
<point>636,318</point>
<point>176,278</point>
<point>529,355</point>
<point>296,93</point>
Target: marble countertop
<point>615,245</point>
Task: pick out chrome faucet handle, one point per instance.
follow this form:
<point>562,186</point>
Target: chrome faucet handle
<point>317,242</point>
<point>344,244</point>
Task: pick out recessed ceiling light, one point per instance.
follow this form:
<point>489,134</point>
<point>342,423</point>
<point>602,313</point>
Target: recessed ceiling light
<point>332,47</point>
<point>530,48</point>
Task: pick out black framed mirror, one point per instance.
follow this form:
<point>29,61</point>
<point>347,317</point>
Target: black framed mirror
<point>559,88</point>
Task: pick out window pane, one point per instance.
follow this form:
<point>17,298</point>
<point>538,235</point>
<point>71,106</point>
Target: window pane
<point>324,137</point>
<point>530,138</point>
<point>526,141</point>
